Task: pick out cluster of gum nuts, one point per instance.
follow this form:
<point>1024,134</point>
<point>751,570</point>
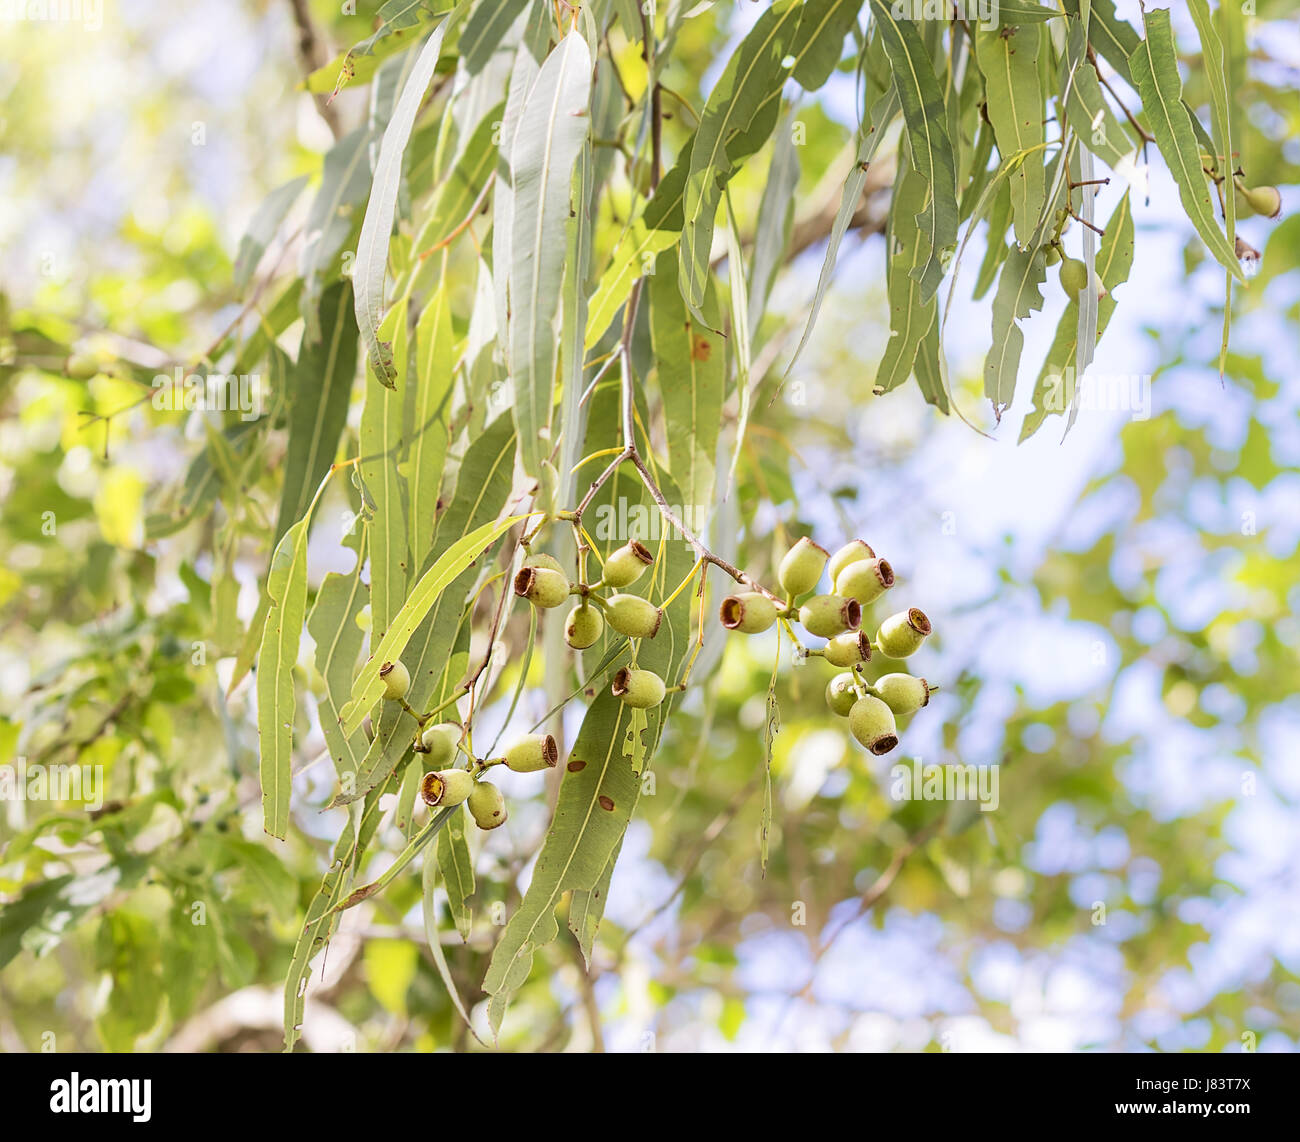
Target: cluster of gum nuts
<point>858,579</point>
<point>543,583</point>
<point>444,786</point>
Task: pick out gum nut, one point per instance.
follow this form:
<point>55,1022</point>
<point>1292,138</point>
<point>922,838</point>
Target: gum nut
<point>872,723</point>
<point>852,552</point>
<point>397,680</point>
<point>901,635</point>
<point>531,753</point>
<point>542,586</point>
<point>626,565</point>
<point>829,615</point>
<point>487,806</point>
<point>583,627</point>
<point>446,788</point>
<point>865,580</point>
<point>848,649</point>
<point>640,689</point>
<point>749,612</point>
<point>802,567</point>
<point>1074,276</point>
<point>902,693</point>
<point>440,743</point>
<point>633,616</point>
<point>840,694</point>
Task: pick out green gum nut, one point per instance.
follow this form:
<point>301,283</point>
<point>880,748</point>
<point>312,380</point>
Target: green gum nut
<point>1053,254</point>
<point>542,586</point>
<point>446,788</point>
<point>829,615</point>
<point>486,805</point>
<point>866,580</point>
<point>802,567</point>
<point>1266,201</point>
<point>440,743</point>
<point>852,552</point>
<point>872,723</point>
<point>749,612</point>
<point>531,753</point>
<point>901,635</point>
<point>848,649</point>
<point>902,693</point>
<point>640,689</point>
<point>626,565</point>
<point>633,616</point>
<point>396,679</point>
<point>840,694</point>
<point>583,627</point>
<point>541,559</point>
<point>1074,276</point>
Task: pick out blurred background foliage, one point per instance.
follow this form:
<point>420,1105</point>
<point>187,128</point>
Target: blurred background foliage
<point>1115,614</point>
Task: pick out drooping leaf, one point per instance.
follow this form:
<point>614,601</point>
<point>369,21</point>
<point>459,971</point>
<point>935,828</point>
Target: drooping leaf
<point>921,97</point>
<point>1013,85</point>
<point>1155,73</point>
<point>372,247</point>
<point>332,624</point>
<point>1056,387</point>
<point>320,391</point>
<point>429,420</point>
<point>910,317</point>
<point>428,883</point>
<point>382,437</point>
<point>757,69</point>
<point>690,363</point>
<point>551,130</point>
<point>457,869</point>
<point>1019,293</point>
<point>286,587</point>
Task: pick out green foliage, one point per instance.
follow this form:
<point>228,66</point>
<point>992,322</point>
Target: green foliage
<point>573,270</point>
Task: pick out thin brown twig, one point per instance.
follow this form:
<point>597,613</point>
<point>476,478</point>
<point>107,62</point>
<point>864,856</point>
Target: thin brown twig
<point>313,56</point>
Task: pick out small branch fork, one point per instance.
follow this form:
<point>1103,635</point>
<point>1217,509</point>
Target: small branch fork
<point>629,452</point>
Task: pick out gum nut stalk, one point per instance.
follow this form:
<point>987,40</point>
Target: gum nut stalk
<point>866,580</point>
<point>531,753</point>
<point>829,615</point>
<point>396,679</point>
<point>901,635</point>
<point>583,627</point>
<point>626,565</point>
<point>542,586</point>
<point>872,723</point>
<point>848,649</point>
<point>445,788</point>
<point>749,612</point>
<point>802,567</point>
<point>633,616</point>
<point>1074,276</point>
<point>840,694</point>
<point>1266,201</point>
<point>486,805</point>
<point>640,689</point>
<point>440,743</point>
<point>902,693</point>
